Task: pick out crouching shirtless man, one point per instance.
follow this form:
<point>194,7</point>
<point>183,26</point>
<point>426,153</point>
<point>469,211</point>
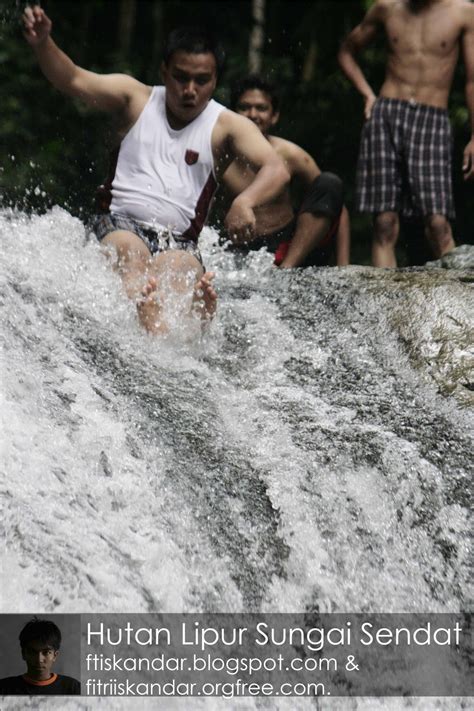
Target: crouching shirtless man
<point>176,144</point>
<point>319,233</point>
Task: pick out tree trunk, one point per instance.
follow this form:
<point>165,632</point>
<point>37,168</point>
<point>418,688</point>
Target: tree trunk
<point>309,65</point>
<point>153,74</point>
<point>126,23</point>
<point>257,36</point>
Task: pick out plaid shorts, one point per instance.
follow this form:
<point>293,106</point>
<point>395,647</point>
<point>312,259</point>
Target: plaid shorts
<point>405,160</point>
<point>156,240</point>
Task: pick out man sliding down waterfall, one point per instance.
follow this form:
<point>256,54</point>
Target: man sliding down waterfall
<point>176,144</point>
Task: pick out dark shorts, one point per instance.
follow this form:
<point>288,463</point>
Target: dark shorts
<point>405,160</point>
<point>156,241</point>
<point>322,256</point>
<point>324,197</point>
<point>278,243</point>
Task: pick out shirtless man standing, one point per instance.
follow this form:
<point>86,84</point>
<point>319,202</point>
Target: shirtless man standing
<point>320,232</point>
<point>405,154</point>
<point>176,144</point>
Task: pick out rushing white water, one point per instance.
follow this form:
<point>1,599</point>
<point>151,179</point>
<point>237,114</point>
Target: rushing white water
<point>313,450</point>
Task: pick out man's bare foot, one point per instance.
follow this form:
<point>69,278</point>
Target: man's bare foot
<point>205,297</point>
<point>149,310</point>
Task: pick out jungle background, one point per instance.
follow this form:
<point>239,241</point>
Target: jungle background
<point>53,149</point>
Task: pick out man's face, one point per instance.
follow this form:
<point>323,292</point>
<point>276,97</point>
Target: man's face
<point>39,658</point>
<point>190,80</point>
<point>257,106</point>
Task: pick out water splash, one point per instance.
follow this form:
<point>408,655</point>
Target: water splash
<point>312,451</point>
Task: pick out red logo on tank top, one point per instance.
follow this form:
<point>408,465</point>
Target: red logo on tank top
<point>191,157</point>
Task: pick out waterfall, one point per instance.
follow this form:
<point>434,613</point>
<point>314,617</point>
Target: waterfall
<point>312,450</point>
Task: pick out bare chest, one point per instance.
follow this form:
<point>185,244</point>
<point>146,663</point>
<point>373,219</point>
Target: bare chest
<point>238,177</point>
<point>434,31</point>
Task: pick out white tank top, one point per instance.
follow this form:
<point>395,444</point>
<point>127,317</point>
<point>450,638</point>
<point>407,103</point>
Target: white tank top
<point>165,178</point>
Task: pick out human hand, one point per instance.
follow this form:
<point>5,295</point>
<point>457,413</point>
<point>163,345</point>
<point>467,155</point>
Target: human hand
<point>468,161</point>
<point>240,222</point>
<point>369,104</point>
<point>37,25</point>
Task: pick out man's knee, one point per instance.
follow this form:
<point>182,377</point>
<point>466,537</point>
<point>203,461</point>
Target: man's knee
<point>179,262</point>
<point>437,225</point>
<point>325,196</point>
<point>438,231</point>
<point>127,245</point>
<point>386,228</point>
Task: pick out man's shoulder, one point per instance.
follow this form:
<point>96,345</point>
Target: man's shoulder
<point>388,4</point>
<point>16,685</point>
<point>10,679</point>
<point>401,9</point>
<point>290,152</point>
<point>68,684</point>
<point>229,118</point>
<point>122,84</point>
<point>283,146</point>
<point>297,160</point>
<point>466,8</point>
<point>381,9</point>
<point>231,124</point>
<point>10,684</point>
<point>460,13</point>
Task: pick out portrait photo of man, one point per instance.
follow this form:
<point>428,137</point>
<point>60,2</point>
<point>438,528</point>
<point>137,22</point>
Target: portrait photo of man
<point>40,644</point>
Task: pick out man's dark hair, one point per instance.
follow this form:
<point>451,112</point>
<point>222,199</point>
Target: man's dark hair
<point>195,40</point>
<point>43,631</point>
<point>254,81</point>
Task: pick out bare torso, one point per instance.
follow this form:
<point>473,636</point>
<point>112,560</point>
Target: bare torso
<point>277,213</point>
<point>423,49</point>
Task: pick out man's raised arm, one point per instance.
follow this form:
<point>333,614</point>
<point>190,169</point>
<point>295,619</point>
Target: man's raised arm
<point>356,40</point>
<point>104,92</point>
<point>468,52</point>
<point>245,142</point>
